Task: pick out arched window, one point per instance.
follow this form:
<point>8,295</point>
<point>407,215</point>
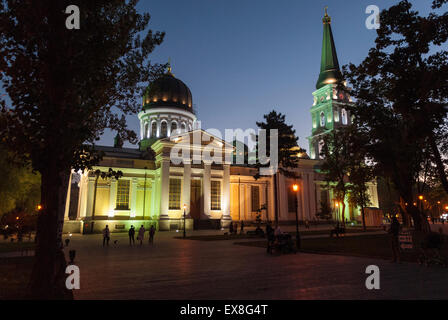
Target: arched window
<point>164,129</point>
<point>154,129</point>
<point>183,127</point>
<point>322,119</point>
<point>344,116</point>
<point>145,133</point>
<point>173,128</point>
<point>336,116</point>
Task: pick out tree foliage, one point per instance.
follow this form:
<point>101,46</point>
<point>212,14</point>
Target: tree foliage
<point>401,97</point>
<point>288,147</point>
<point>19,185</point>
<point>65,87</point>
<point>335,165</point>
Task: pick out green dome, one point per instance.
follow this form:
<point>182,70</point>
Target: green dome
<point>168,91</point>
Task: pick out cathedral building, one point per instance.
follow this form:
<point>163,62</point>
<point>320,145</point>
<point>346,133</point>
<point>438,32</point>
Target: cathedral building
<point>204,193</point>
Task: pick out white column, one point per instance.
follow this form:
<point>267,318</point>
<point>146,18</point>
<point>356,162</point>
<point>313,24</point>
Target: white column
<point>264,213</point>
<point>142,128</point>
<point>302,198</point>
<point>226,192</point>
<point>82,201</point>
<point>207,189</point>
<point>240,201</point>
<point>112,197</point>
<point>312,194</point>
<point>90,192</point>
<point>67,201</point>
<point>158,128</point>
<point>133,199</point>
<point>187,186</point>
<point>283,210</point>
<point>306,195</point>
<point>153,212</point>
<point>147,128</point>
<point>165,188</point>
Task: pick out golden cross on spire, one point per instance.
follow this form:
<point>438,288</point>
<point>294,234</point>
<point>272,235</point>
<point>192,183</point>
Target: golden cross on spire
<point>326,13</point>
<point>169,65</point>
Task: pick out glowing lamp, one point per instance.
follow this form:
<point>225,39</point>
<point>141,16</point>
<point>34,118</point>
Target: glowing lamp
<point>295,187</point>
<point>420,197</point>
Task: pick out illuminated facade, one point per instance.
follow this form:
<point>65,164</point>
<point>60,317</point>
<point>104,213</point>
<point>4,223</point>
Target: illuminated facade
<point>154,190</point>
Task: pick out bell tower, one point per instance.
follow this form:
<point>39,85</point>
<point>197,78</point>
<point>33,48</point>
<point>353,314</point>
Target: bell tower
<point>329,110</point>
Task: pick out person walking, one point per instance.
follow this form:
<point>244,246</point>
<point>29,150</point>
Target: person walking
<point>231,228</point>
<point>106,236</point>
<point>152,231</point>
<point>131,236</point>
<point>242,226</point>
<point>141,234</point>
<point>394,232</point>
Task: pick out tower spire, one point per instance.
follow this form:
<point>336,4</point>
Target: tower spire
<point>329,65</point>
<point>169,65</point>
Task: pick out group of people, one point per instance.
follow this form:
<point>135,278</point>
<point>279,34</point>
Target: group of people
<point>271,236</point>
<point>131,233</point>
<point>233,228</point>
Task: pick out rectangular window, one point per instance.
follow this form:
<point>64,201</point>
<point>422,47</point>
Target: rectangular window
<point>292,196</point>
<point>216,195</point>
<point>174,202</point>
<point>123,195</point>
<point>255,197</point>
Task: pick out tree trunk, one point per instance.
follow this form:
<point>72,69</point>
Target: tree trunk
<point>48,274</point>
<point>439,163</point>
<point>343,213</point>
<point>94,197</point>
<point>419,218</point>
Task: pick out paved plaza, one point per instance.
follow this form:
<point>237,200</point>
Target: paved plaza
<point>187,269</point>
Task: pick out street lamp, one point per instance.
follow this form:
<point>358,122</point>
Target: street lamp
<point>185,209</point>
<point>337,211</point>
<point>421,203</point>
<point>295,188</point>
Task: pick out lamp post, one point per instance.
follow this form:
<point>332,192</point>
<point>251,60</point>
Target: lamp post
<point>337,212</point>
<point>421,202</point>
<point>185,209</point>
<point>295,188</point>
